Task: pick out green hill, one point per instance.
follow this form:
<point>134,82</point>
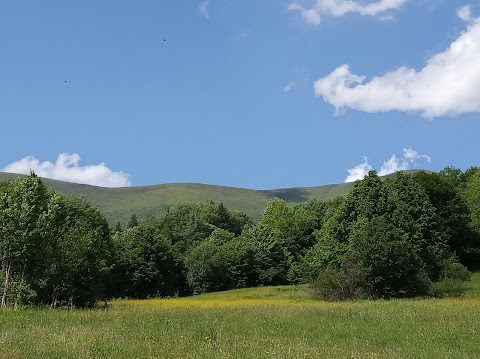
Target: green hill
<point>118,204</point>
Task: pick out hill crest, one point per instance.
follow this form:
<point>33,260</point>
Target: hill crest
<point>118,204</point>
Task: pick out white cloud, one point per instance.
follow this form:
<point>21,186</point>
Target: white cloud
<point>464,13</point>
<point>412,155</point>
<point>448,85</point>
<point>288,87</point>
<point>66,168</point>
<point>311,16</point>
<point>359,171</point>
<point>341,7</point>
<point>392,165</point>
<point>203,8</point>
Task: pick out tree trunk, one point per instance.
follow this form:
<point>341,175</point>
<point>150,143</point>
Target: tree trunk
<point>56,292</point>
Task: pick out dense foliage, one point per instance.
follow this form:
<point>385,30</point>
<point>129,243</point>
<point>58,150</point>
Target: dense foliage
<point>53,250</point>
<point>407,235</point>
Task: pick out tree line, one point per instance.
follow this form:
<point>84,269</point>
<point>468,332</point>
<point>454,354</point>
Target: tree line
<point>407,235</point>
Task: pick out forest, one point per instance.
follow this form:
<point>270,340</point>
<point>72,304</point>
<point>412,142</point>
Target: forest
<point>407,235</point>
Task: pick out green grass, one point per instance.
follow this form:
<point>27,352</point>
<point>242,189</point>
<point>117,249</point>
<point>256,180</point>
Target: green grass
<point>269,322</point>
<point>474,286</point>
<point>118,204</point>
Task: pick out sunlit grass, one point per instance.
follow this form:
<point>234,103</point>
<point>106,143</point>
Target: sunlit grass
<point>233,298</point>
<point>270,322</point>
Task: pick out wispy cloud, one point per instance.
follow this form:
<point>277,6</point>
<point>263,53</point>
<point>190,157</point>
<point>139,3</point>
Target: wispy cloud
<point>465,13</point>
<point>67,168</point>
<point>288,87</point>
<point>411,155</point>
<point>448,85</point>
<point>338,8</point>
<point>204,9</point>
<point>393,164</point>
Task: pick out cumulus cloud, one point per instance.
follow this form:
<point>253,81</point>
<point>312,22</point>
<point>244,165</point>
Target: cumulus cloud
<point>337,8</point>
<point>203,8</point>
<point>392,165</point>
<point>311,16</point>
<point>464,13</point>
<point>359,171</point>
<point>67,168</point>
<point>448,85</point>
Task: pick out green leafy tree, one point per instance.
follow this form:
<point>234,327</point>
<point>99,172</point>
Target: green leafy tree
<point>471,251</point>
<point>188,225</point>
<point>271,258</point>
<point>389,260</point>
<point>240,260</point>
<point>146,264</point>
<point>409,208</point>
<point>23,203</point>
<point>53,250</point>
<point>392,222</point>
<point>295,226</point>
<point>79,249</point>
<point>453,214</point>
<point>206,268</point>
<point>472,195</point>
<point>366,200</point>
<point>306,220</point>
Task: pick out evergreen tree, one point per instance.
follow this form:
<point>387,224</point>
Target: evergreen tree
<point>133,222</point>
<point>118,228</point>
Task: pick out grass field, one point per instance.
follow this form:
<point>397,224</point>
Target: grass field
<point>269,322</point>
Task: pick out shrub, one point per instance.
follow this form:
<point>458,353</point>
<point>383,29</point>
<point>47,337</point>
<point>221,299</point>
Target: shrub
<point>449,288</point>
<point>453,281</point>
<point>335,284</point>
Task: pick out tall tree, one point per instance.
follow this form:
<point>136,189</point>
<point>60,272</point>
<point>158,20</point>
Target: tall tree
<point>80,254</point>
<point>53,250</point>
<point>383,226</point>
<point>146,264</point>
<point>133,222</point>
<point>23,203</point>
<point>118,228</point>
<point>453,212</point>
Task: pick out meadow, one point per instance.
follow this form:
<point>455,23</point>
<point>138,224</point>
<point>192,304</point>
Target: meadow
<point>267,322</point>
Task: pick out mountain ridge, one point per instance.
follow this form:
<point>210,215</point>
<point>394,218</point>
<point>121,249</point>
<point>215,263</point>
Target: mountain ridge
<point>119,203</point>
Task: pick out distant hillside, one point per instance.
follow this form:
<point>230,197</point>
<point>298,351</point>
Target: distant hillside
<point>118,204</point>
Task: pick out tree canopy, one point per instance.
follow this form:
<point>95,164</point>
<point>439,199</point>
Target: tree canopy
<point>388,238</point>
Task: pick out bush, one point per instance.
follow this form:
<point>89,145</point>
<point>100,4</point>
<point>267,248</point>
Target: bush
<point>455,270</point>
<point>449,288</point>
<point>334,284</point>
<point>453,281</point>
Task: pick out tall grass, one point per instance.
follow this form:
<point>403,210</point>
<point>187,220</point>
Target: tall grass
<point>276,322</point>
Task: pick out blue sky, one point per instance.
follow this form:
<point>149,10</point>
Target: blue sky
<point>256,94</point>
